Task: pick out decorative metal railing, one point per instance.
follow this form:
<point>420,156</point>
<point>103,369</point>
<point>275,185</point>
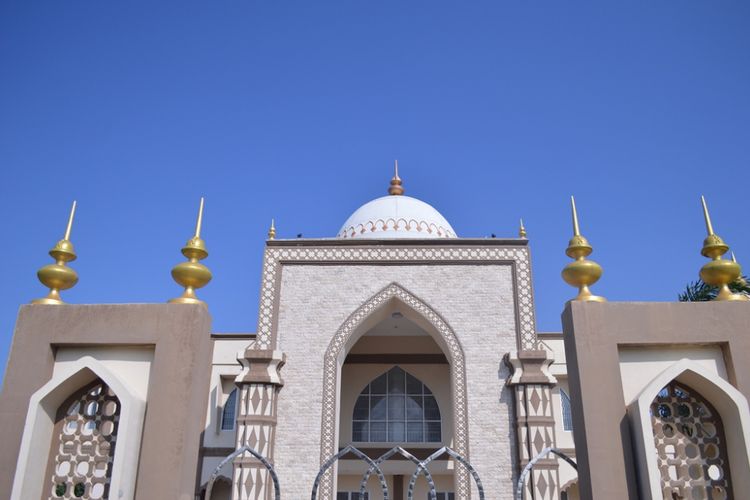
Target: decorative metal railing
<point>422,467</point>
<point>532,462</point>
<point>230,457</point>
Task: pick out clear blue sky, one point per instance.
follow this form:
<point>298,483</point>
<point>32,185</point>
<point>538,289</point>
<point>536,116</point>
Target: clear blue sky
<point>495,109</point>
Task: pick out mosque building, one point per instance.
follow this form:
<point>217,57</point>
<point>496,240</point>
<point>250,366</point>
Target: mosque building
<point>395,360</point>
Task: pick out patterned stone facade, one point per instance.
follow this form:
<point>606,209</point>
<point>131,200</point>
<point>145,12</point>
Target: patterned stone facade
<point>259,385</point>
<point>313,297</point>
<point>535,421</point>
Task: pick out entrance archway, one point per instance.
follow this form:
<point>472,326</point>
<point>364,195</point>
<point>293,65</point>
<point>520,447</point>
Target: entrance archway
<point>373,311</point>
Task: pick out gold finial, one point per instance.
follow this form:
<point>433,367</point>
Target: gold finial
<point>522,231</point>
<point>59,276</point>
<point>718,272</point>
<point>272,231</point>
<point>581,272</point>
<point>396,187</point>
<point>192,274</point>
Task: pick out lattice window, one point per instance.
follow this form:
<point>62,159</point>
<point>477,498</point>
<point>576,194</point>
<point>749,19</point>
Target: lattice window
<point>396,407</point>
<point>229,411</point>
<point>690,445</point>
<point>83,444</point>
<point>567,414</point>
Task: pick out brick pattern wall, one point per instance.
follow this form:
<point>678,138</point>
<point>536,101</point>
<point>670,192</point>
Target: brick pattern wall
<point>476,300</point>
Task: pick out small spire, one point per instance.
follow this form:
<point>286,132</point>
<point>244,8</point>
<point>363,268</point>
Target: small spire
<point>199,222</point>
<point>272,231</point>
<point>581,272</point>
<point>707,217</point>
<point>719,272</point>
<point>396,187</point>
<point>59,276</point>
<point>192,274</point>
<point>576,230</point>
<point>69,228</point>
<point>522,231</point>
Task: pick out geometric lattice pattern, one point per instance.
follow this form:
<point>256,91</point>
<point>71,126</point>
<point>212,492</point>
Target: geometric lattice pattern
<point>518,257</point>
<point>536,431</point>
<point>256,428</point>
<point>691,447</point>
<point>330,379</point>
<point>83,444</point>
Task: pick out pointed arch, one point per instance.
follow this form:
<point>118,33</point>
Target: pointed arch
<point>371,312</point>
<point>30,478</point>
<point>727,400</point>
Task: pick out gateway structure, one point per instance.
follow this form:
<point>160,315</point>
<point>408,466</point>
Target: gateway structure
<point>396,332</point>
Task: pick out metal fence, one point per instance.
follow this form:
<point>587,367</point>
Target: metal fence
<point>421,467</point>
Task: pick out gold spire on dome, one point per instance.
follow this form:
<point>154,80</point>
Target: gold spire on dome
<point>718,272</point>
<point>272,231</point>
<point>59,276</point>
<point>581,272</point>
<point>522,231</point>
<point>192,274</point>
<point>396,188</point>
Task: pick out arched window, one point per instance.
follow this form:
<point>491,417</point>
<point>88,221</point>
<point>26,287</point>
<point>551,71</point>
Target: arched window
<point>567,414</point>
<point>690,443</point>
<point>396,407</point>
<point>83,444</point>
<point>227,414</point>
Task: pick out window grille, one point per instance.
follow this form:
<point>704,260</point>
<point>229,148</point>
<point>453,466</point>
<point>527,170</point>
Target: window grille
<point>227,415</point>
<point>83,444</point>
<point>396,407</point>
<point>690,444</point>
<point>567,414</point>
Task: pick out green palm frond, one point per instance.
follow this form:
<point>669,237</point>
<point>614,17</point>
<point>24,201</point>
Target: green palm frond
<point>698,291</point>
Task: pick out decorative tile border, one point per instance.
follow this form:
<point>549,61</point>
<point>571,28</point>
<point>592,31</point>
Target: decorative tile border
<point>274,257</point>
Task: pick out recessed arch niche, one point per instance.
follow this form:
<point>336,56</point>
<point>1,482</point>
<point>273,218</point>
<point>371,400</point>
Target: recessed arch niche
<point>376,309</point>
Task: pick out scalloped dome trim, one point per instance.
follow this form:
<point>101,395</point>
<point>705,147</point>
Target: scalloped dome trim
<point>389,225</point>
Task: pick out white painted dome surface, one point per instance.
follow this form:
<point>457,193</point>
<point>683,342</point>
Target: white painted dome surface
<point>396,217</point>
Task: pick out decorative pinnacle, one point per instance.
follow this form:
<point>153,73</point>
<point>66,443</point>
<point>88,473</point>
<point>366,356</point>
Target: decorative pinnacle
<point>522,230</point>
<point>192,274</point>
<point>272,231</point>
<point>718,272</point>
<point>581,272</point>
<point>59,276</point>
<point>576,230</point>
<point>396,187</point>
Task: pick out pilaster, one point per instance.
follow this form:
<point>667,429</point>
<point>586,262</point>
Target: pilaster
<point>535,422</point>
<point>259,384</point>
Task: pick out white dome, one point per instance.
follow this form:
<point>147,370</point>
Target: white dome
<point>396,217</point>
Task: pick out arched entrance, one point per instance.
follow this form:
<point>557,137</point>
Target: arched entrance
<point>373,314</point>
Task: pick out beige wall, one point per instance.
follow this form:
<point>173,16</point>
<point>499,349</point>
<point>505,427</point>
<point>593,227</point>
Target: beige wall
<point>131,363</point>
<point>640,365</point>
<point>477,301</point>
<point>605,343</point>
<point>179,337</point>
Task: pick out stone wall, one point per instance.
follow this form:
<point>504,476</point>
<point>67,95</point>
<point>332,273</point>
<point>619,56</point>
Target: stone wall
<point>476,300</point>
